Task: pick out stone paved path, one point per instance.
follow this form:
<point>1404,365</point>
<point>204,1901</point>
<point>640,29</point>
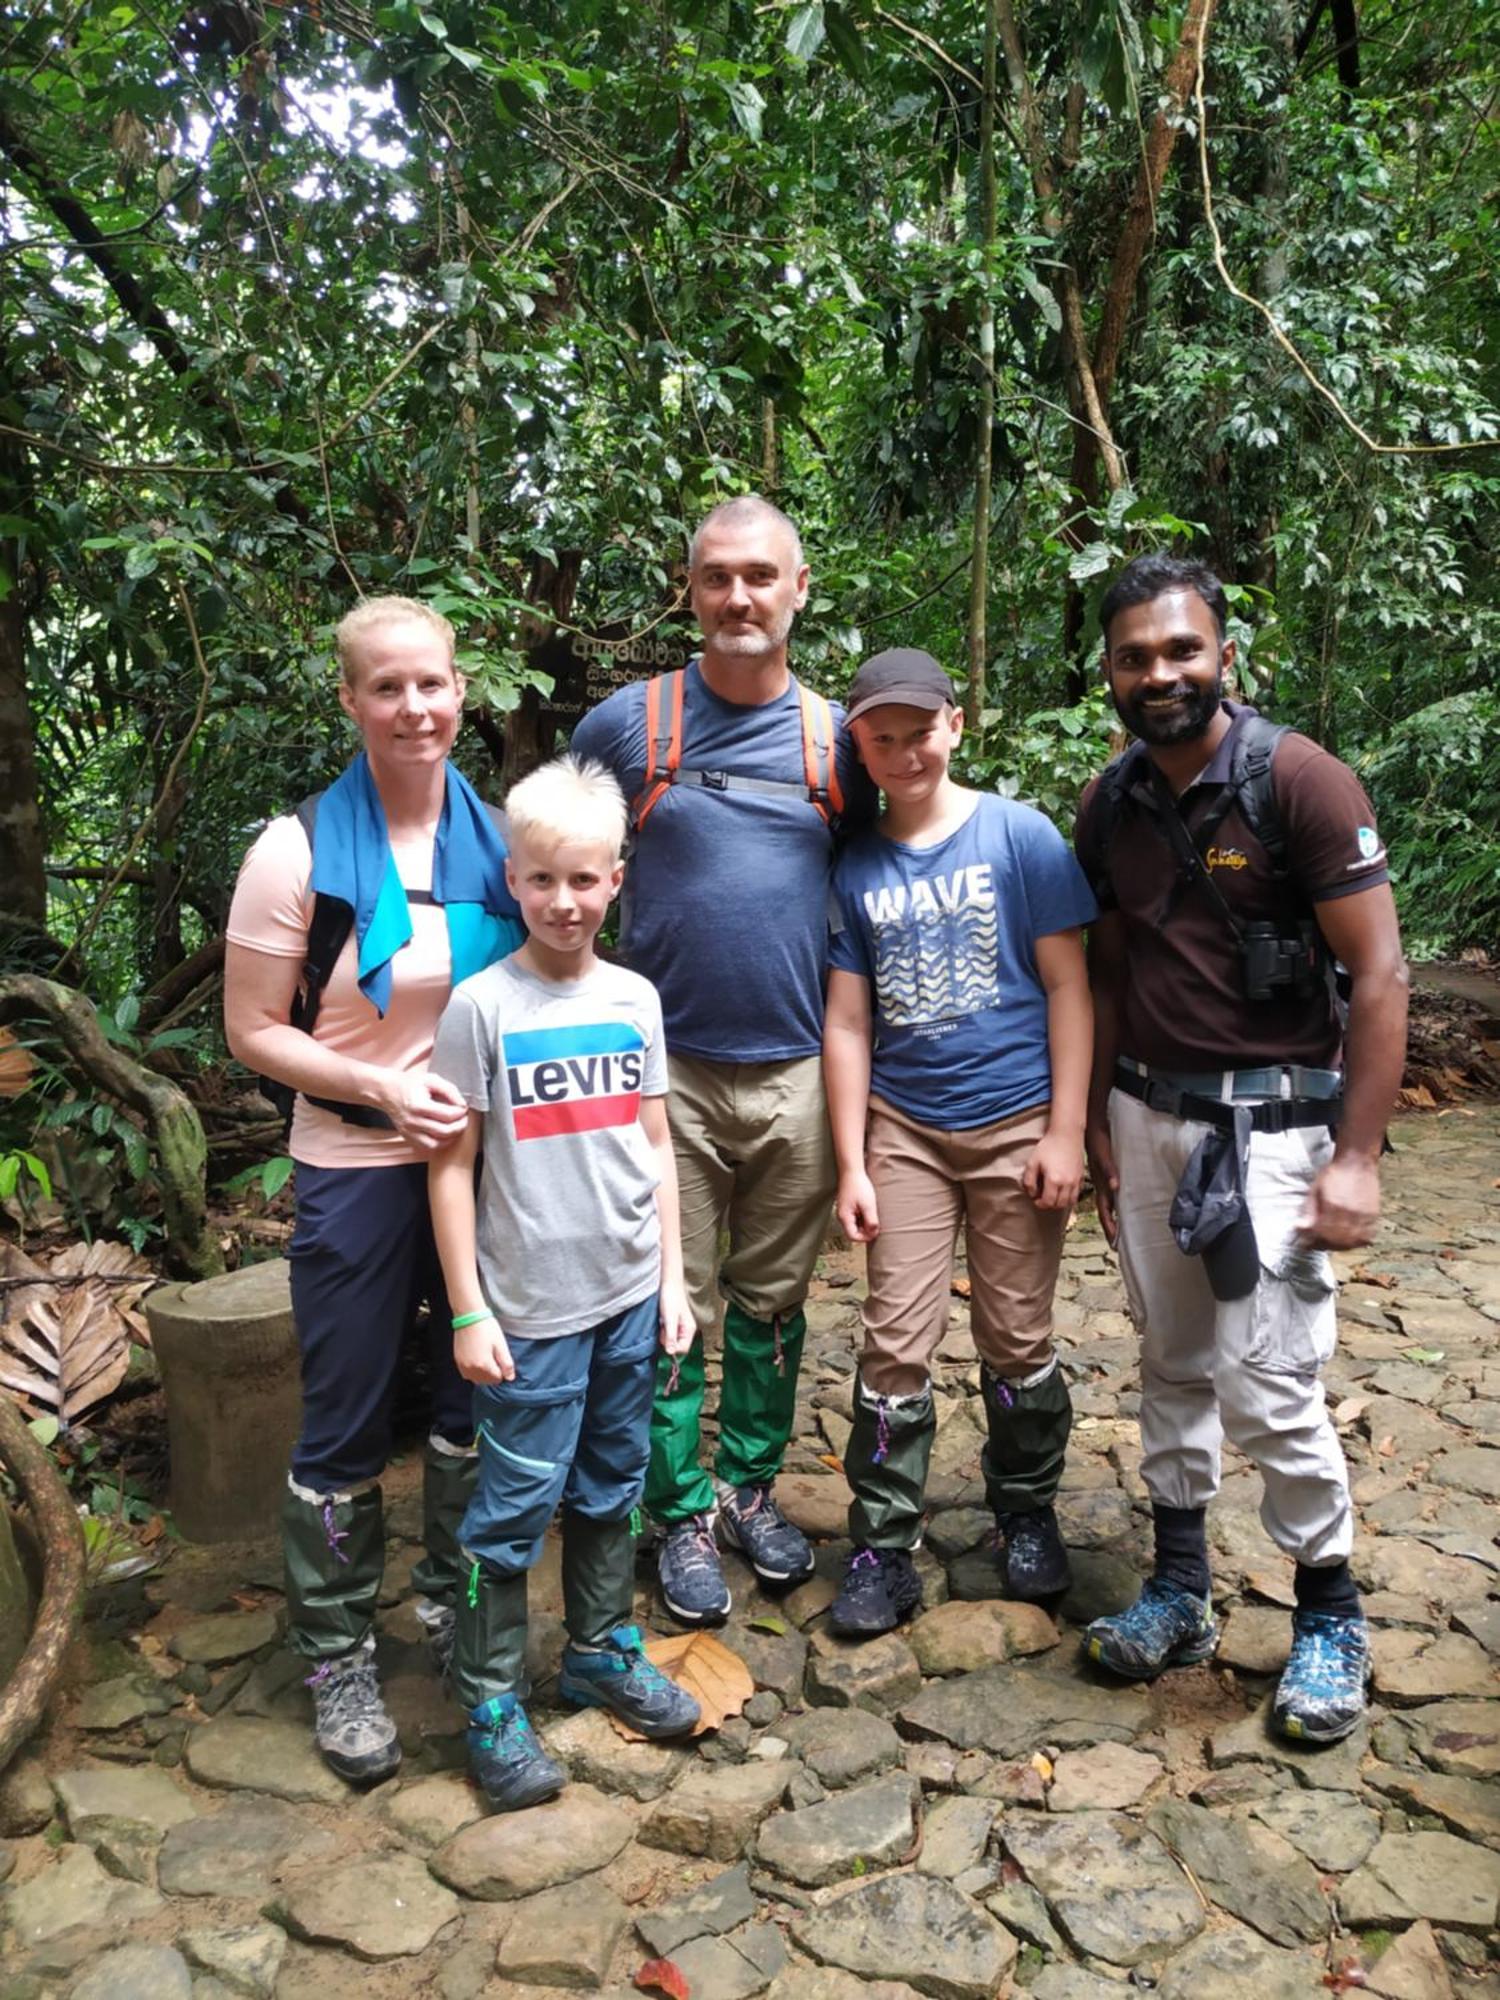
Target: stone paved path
<point>959,1811</point>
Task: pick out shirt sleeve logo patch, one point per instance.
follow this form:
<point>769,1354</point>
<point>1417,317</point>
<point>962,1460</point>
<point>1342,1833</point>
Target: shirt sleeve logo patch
<point>1369,843</point>
<point>581,1078</point>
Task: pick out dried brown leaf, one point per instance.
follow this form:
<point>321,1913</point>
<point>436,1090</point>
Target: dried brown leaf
<point>16,1065</point>
<point>712,1673</point>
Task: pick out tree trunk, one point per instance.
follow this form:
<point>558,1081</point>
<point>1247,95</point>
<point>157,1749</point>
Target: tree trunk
<point>172,1125</point>
<point>25,1694</point>
<point>23,883</point>
<point>979,562</point>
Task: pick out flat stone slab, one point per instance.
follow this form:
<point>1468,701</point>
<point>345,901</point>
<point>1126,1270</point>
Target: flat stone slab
<point>596,1754</point>
<point>100,1797</point>
<point>827,1982</point>
<point>841,1745</point>
<point>1459,1737</point>
<point>245,1959</point>
<point>1332,1829</point>
<point>1106,1778</point>
<point>715,1810</point>
<point>1333,1767</point>
<point>237,1851</point>
<point>1434,1875</point>
<point>1415,1667</point>
<point>1012,1712</point>
<point>222,1636</point>
<point>711,1909</point>
<point>1411,1968</point>
<point>777,1660</point>
<point>871,1826</point>
<point>432,1810</point>
<point>114,1704</point>
<point>958,1637</point>
<point>877,1674</point>
<point>513,1855</point>
<point>1238,1965</point>
<point>1248,1870</point>
<point>734,1967</point>
<point>563,1937</point>
<point>72,1893</point>
<point>376,1908</point>
<point>1112,1887</point>
<point>915,1928</point>
<point>251,1754</point>
<point>1474,1469</point>
<point>955,1836</point>
<point>136,1972</point>
<point>1257,1639</point>
<point>1468,1805</point>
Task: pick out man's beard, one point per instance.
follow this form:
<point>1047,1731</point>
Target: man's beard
<point>1184,724</point>
<point>755,641</point>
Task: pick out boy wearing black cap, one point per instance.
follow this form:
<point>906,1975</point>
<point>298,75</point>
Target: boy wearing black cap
<point>956,1053</point>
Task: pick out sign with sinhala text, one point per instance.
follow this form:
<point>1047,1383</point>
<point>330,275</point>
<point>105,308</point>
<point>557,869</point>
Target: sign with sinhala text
<point>587,667</point>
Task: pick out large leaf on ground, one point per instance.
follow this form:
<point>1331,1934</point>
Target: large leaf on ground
<point>713,1674</point>
<point>66,1325</point>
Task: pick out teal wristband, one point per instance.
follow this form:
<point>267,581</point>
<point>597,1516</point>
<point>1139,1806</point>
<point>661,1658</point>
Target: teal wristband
<point>471,1319</point>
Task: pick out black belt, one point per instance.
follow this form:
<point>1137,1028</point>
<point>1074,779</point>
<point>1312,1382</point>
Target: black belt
<point>1273,1114</point>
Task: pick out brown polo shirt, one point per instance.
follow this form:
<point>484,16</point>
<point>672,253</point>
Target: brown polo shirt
<point>1184,1006</point>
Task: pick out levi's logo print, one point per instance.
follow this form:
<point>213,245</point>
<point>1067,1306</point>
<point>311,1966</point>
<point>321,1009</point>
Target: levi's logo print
<point>935,946</point>
<point>579,1078</point>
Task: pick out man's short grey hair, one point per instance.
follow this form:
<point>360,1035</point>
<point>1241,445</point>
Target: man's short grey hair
<point>741,512</point>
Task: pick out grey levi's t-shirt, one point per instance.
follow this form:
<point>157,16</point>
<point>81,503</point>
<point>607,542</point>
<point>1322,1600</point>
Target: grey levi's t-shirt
<point>567,1228</point>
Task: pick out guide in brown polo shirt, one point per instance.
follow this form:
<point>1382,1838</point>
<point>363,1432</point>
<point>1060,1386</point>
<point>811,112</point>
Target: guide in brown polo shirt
<point>1236,1118</point>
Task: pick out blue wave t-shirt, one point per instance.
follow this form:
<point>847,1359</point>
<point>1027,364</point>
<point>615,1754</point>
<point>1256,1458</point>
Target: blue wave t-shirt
<point>725,908</point>
<point>946,936</point>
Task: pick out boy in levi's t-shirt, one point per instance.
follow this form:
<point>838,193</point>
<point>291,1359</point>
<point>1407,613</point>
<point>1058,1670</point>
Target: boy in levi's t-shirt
<point>564,1273</point>
<point>956,1053</point>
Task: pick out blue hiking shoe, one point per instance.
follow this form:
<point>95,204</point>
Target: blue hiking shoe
<point>509,1765</point>
<point>1167,1626</point>
<point>687,1564</point>
<point>620,1678</point>
<point>754,1524</point>
<point>1321,1694</point>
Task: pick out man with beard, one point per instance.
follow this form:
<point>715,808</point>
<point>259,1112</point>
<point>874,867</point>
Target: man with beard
<point>739,780</point>
<point>1236,1115</point>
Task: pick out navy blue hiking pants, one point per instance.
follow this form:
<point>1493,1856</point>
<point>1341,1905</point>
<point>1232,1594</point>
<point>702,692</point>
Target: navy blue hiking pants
<point>572,1430</point>
<point>363,1260</point>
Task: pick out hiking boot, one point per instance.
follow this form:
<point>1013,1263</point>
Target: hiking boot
<point>1321,1694</point>
<point>753,1523</point>
<point>1167,1626</point>
<point>509,1765</point>
<point>880,1590</point>
<point>439,1625</point>
<point>351,1728</point>
<point>687,1564</point>
<point>1033,1561</point>
<point>620,1678</point>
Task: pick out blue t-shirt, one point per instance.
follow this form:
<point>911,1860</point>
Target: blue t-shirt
<point>946,936</point>
<point>725,907</point>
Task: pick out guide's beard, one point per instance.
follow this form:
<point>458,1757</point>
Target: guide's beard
<point>1188,717</point>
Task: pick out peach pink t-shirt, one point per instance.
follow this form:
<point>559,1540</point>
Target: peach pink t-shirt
<point>271,911</point>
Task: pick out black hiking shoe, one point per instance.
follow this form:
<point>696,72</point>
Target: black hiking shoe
<point>1033,1561</point>
<point>880,1590</point>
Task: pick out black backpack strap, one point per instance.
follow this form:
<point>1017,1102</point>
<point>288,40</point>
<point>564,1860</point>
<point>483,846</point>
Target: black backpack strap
<point>1115,781</point>
<point>1251,782</point>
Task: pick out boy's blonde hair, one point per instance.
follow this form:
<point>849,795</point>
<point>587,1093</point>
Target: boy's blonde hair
<point>375,611</point>
<point>570,799</point>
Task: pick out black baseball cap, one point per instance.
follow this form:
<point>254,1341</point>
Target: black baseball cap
<point>901,674</point>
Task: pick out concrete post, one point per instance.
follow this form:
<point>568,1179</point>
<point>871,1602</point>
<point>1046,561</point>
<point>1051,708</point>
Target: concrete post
<point>227,1351</point>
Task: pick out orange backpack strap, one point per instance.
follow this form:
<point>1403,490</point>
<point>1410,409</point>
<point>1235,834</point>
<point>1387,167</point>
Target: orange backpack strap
<point>819,754</point>
<point>663,742</point>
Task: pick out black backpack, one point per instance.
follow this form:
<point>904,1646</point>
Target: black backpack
<point>332,921</point>
<point>1286,955</point>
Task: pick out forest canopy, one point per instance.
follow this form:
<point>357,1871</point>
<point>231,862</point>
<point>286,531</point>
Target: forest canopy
<point>486,304</point>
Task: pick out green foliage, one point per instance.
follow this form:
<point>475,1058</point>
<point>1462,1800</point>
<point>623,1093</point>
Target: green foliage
<point>486,303</point>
